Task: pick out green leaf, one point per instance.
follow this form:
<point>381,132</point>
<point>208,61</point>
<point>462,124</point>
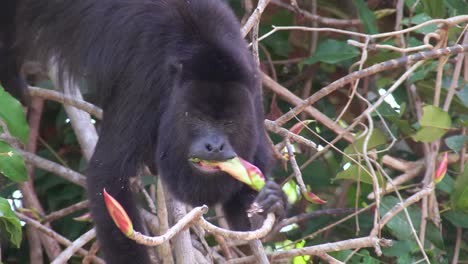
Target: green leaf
<point>462,121</point>
<point>400,248</point>
<point>377,138</point>
<point>11,163</point>
<point>399,226</point>
<point>9,223</point>
<point>457,7</point>
<point>457,142</point>
<point>358,174</point>
<point>428,134</point>
<point>418,19</point>
<point>446,185</point>
<point>457,218</point>
<point>290,189</point>
<point>403,125</point>
<point>434,235</point>
<point>434,8</point>
<point>367,17</point>
<point>459,197</point>
<point>13,114</point>
<point>333,51</point>
<point>463,95</point>
<point>434,123</point>
<point>422,72</point>
<point>435,117</point>
<point>278,43</point>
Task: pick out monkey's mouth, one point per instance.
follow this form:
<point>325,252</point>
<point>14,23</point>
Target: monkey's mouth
<point>205,166</point>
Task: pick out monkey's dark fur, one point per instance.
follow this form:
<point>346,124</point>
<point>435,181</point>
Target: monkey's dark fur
<point>176,81</point>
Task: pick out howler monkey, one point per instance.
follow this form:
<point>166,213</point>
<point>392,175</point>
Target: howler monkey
<point>177,82</point>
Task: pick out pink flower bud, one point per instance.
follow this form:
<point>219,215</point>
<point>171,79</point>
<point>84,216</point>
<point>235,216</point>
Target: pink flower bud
<point>83,218</point>
<point>118,214</point>
<point>313,198</point>
<point>441,168</point>
<point>31,213</point>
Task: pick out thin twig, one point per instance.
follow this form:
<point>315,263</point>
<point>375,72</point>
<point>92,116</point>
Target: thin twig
<point>243,235</point>
<point>293,99</point>
<point>255,17</point>
<point>400,206</point>
<point>51,233</point>
<point>383,66</point>
<point>80,120</point>
<point>321,20</point>
<point>363,242</point>
<point>182,224</point>
<point>258,251</point>
<point>77,244</point>
<point>66,100</point>
<point>65,211</point>
<point>182,243</point>
<point>455,76</point>
<point>458,242</point>
<point>329,259</point>
<point>165,248</point>
<point>59,170</point>
<point>91,253</point>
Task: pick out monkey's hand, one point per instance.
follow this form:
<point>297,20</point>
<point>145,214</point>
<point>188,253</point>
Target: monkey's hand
<point>271,199</point>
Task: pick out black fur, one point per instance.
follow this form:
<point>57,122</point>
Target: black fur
<point>9,66</point>
<point>173,75</point>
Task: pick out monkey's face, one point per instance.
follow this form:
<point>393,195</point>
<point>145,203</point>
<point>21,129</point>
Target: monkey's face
<point>218,122</point>
<point>206,121</point>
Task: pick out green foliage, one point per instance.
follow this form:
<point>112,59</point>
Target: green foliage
<point>457,218</point>
<point>459,197</point>
<point>358,173</point>
<point>462,94</point>
<point>333,51</point>
<point>12,113</point>
<point>418,19</point>
<point>434,8</point>
<point>456,7</point>
<point>399,226</point>
<point>456,143</point>
<point>377,138</point>
<point>366,16</point>
<point>434,124</point>
<point>9,223</point>
<point>12,164</point>
<point>362,256</point>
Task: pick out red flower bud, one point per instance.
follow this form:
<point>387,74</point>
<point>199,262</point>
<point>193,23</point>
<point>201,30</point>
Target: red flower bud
<point>118,214</point>
<point>31,213</point>
<point>83,218</point>
<point>313,198</point>
<point>441,168</point>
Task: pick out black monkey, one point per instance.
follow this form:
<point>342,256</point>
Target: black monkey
<point>9,66</point>
<point>176,81</point>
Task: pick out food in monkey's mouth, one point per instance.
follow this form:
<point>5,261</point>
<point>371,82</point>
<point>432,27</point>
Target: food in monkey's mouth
<point>238,168</point>
<point>205,165</point>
